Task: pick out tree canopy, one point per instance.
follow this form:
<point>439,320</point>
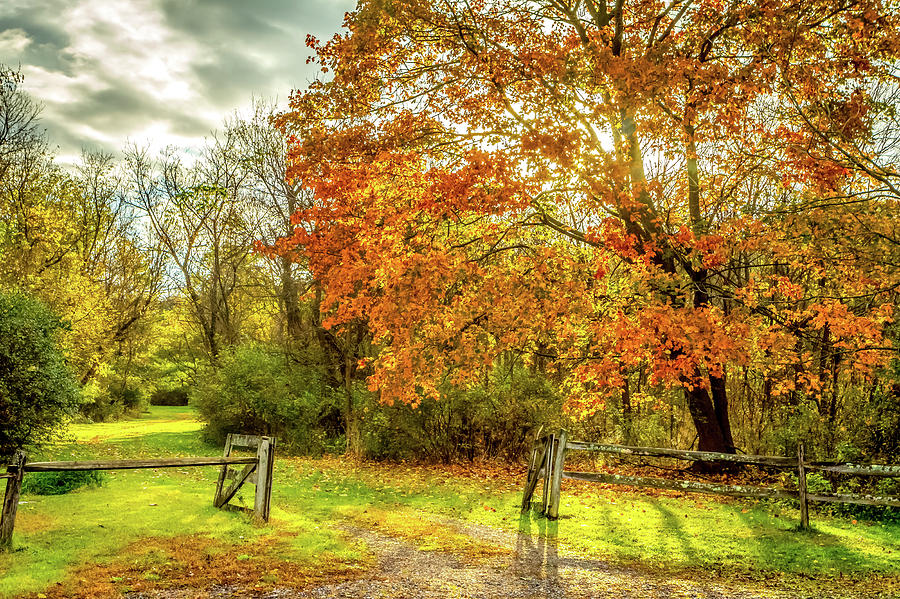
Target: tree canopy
<point>685,189</point>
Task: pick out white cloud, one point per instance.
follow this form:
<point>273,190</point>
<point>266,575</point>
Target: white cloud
<point>13,41</point>
<point>129,41</point>
<point>163,72</point>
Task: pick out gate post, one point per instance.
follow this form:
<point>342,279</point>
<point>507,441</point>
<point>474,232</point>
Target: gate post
<point>538,459</point>
<point>556,485</point>
<point>532,472</point>
<point>265,454</point>
<point>548,472</point>
<point>16,470</point>
<point>801,484</point>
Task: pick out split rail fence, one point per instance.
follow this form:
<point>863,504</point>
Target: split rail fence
<point>257,470</point>
<point>549,453</point>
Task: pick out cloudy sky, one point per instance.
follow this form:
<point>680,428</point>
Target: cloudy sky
<point>165,72</point>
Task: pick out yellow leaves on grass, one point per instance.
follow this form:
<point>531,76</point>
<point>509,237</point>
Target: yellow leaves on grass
<point>424,533</point>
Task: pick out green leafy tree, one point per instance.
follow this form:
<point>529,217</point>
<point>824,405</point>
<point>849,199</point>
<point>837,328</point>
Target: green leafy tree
<point>37,390</point>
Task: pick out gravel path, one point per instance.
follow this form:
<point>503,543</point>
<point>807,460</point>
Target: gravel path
<point>533,568</point>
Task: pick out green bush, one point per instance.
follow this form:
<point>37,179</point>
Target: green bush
<point>490,421</point>
<point>868,486</point>
<point>60,483</point>
<point>815,483</point>
<point>106,399</point>
<point>255,390</point>
<point>37,390</point>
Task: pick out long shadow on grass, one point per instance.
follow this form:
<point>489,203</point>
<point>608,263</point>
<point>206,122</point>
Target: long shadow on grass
<point>672,526</point>
<point>537,552</point>
<point>811,551</point>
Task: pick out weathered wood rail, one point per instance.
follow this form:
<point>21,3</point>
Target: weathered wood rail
<point>548,457</point>
<point>257,470</point>
<point>134,464</point>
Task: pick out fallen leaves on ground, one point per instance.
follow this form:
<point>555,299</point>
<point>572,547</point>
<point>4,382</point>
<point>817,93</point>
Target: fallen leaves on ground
<point>200,562</point>
<point>425,534</point>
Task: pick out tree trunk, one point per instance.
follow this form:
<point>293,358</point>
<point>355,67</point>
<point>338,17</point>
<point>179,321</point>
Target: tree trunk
<point>709,412</point>
<point>709,409</point>
<point>720,404</point>
<point>709,432</point>
<point>627,416</point>
<point>290,302</point>
<point>340,355</point>
<point>351,427</point>
<point>353,336</point>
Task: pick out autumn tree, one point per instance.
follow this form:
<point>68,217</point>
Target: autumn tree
<point>613,187</point>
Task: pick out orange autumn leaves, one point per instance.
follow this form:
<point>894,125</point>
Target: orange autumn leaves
<point>607,190</point>
<point>391,238</point>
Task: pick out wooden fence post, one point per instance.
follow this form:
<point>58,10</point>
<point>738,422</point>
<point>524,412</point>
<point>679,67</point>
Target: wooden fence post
<point>266,461</point>
<point>11,500</point>
<point>539,457</point>
<point>556,484</point>
<point>548,472</point>
<point>801,484</point>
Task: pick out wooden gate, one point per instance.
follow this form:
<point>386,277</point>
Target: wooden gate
<point>258,473</point>
<point>257,469</point>
<point>547,458</point>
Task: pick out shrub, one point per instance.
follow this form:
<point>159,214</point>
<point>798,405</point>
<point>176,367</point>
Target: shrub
<point>107,399</point>
<point>37,390</point>
<point>491,421</point>
<point>255,390</point>
<point>877,487</point>
<point>59,483</point>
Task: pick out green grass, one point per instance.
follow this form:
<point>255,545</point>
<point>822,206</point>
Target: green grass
<point>163,431</point>
<point>57,534</point>
<point>693,533</point>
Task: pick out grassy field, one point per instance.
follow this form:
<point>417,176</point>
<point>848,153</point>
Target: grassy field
<point>146,528</point>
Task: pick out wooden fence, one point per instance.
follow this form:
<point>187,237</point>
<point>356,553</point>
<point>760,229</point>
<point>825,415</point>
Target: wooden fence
<point>257,469</point>
<point>549,452</point>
